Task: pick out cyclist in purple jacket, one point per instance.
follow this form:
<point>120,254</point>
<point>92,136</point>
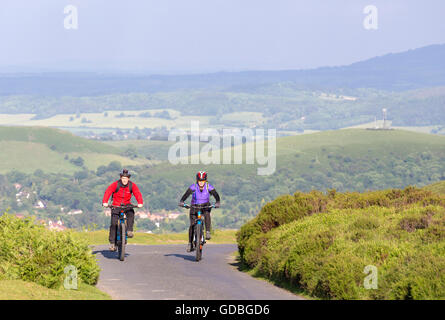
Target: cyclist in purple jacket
<point>201,191</point>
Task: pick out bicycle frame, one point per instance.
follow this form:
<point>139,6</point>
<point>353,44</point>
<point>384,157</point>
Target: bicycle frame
<point>197,229</point>
<point>199,219</point>
<point>122,224</point>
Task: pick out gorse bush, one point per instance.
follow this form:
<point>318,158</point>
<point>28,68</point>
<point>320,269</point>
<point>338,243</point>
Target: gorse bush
<point>289,208</point>
<point>322,246</point>
<point>29,252</point>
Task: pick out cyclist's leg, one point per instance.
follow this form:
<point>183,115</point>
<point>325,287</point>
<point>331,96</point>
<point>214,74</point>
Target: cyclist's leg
<point>130,222</point>
<point>208,220</point>
<point>190,246</point>
<point>192,223</point>
<point>113,227</point>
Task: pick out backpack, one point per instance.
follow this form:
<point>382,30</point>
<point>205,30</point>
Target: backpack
<point>118,187</point>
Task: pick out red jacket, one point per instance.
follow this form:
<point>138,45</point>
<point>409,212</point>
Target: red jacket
<point>123,195</point>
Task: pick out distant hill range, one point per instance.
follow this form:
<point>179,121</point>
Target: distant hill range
<point>413,69</point>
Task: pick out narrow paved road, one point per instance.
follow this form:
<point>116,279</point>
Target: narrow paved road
<point>169,272</point>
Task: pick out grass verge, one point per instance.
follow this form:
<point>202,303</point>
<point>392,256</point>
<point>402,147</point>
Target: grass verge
<point>22,290</point>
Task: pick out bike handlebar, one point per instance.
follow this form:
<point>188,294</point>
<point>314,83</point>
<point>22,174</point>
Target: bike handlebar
<point>127,206</point>
<point>188,206</point>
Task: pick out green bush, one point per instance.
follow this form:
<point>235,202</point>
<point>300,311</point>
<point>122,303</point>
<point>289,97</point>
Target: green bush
<point>32,253</point>
<point>324,248</point>
<point>289,208</point>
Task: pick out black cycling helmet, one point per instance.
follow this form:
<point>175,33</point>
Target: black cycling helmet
<point>201,176</point>
<point>125,173</point>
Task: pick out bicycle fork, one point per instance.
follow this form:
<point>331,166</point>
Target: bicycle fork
<point>121,221</point>
<point>199,225</point>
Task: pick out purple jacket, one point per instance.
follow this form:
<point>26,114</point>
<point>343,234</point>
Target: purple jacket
<point>198,196</point>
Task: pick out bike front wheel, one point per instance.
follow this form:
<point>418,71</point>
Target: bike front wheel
<point>198,242</point>
<point>122,231</point>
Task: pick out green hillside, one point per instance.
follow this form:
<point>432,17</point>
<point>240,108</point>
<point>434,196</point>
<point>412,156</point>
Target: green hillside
<point>57,140</point>
<point>362,159</point>
<point>345,160</point>
<point>351,159</point>
<point>53,150</point>
<point>153,149</point>
<point>438,187</point>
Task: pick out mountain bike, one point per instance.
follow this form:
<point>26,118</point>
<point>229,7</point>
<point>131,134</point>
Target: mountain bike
<point>121,235</point>
<point>198,229</point>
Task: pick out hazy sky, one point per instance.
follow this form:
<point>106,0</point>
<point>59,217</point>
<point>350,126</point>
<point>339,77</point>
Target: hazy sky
<point>180,36</point>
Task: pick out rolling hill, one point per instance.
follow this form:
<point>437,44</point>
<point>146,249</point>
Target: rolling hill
<point>345,160</point>
<point>57,140</point>
<point>353,152</point>
<point>438,187</point>
<point>27,149</point>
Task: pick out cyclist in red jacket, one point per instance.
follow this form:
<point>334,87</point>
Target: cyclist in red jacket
<point>122,190</point>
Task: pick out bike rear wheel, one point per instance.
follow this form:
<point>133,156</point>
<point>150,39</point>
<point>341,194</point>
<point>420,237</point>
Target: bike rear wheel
<point>122,233</point>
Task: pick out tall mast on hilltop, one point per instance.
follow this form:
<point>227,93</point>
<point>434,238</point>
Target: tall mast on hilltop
<point>384,118</point>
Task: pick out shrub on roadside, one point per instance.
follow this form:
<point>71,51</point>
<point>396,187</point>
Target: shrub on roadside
<point>32,253</point>
<point>289,208</point>
<point>324,249</point>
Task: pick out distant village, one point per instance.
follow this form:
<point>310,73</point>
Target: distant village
<point>154,217</point>
<point>102,134</point>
